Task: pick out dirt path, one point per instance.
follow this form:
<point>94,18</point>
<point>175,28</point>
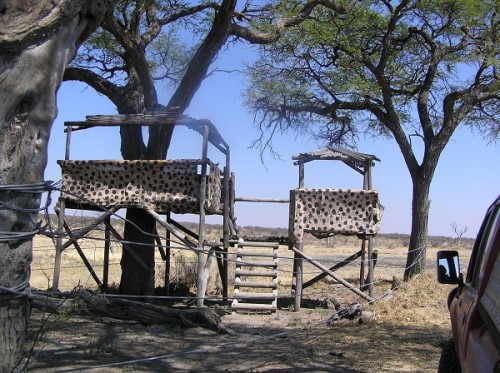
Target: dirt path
<point>281,342</point>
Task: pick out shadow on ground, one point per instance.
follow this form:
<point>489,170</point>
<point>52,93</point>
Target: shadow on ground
<point>281,342</point>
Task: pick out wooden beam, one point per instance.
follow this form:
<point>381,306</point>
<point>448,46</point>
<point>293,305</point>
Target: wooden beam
<point>335,277</point>
<point>107,246</point>
<point>363,264</point>
<point>202,281</point>
<point>297,275</point>
<point>182,228</point>
<point>159,244</point>
<point>82,255</point>
<point>268,200</point>
<point>126,246</point>
<point>185,240</point>
<point>90,227</point>
<point>336,267</point>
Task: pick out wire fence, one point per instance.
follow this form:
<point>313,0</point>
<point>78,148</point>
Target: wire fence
<point>92,242</point>
<point>74,274</point>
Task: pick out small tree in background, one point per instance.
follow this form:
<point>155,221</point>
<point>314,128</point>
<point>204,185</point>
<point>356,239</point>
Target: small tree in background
<point>458,233</point>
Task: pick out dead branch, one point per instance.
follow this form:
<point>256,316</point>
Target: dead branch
<point>87,304</point>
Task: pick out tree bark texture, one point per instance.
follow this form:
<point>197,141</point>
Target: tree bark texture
<point>136,279</point>
<point>416,258</point>
<point>37,40</point>
<point>422,179</point>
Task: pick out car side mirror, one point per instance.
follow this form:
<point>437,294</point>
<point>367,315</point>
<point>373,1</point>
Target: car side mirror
<point>448,267</point>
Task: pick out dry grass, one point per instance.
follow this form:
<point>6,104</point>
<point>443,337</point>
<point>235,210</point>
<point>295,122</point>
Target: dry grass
<point>404,335</point>
<point>392,251</point>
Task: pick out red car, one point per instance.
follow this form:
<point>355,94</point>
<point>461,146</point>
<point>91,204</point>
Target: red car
<point>475,304</point>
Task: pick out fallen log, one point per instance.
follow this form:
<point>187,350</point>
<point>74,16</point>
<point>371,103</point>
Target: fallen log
<point>87,304</point>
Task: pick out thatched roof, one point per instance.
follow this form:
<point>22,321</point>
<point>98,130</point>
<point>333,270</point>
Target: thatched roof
<point>336,154</point>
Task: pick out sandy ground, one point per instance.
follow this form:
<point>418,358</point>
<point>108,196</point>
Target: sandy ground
<point>403,336</point>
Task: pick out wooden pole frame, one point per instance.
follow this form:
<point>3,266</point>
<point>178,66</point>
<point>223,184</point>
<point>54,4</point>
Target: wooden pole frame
<point>195,242</point>
<point>362,163</point>
<point>201,284</point>
<point>335,277</point>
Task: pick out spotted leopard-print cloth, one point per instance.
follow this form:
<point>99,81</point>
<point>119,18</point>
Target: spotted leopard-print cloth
<point>324,212</point>
<point>161,185</point>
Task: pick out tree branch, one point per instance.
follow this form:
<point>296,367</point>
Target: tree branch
<point>277,30</point>
<point>101,85</point>
<point>156,24</point>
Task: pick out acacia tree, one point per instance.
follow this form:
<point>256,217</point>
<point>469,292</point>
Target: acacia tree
<point>37,40</point>
<point>411,69</point>
<point>137,45</point>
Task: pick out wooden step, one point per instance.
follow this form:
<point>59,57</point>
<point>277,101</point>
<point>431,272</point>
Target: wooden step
<point>252,263</point>
<point>257,255</point>
<point>255,284</point>
<point>246,295</point>
<point>257,244</point>
<point>240,273</point>
<point>254,307</point>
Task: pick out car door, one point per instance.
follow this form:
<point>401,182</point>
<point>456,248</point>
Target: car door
<point>479,303</point>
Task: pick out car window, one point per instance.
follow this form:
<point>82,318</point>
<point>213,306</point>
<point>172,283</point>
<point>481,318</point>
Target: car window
<point>486,245</point>
<point>490,300</point>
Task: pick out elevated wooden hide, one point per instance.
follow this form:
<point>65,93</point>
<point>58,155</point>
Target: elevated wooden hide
<point>159,185</point>
<point>333,211</point>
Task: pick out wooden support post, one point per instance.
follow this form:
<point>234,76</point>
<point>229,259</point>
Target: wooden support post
<point>371,266</point>
<point>68,142</point>
<point>222,264</point>
<point>202,281</point>
<point>298,275</point>
<point>107,245</point>
<point>60,224</point>
<point>367,179</point>
<point>167,259</point>
<point>301,174</point>
<point>226,231</point>
<point>374,261</point>
<point>335,277</point>
<point>59,244</point>
<point>363,264</point>
<point>233,229</point>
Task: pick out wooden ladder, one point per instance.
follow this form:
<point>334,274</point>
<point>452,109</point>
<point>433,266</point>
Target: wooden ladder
<point>256,277</point>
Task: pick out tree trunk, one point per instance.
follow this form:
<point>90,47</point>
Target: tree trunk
<point>37,40</point>
<point>416,259</point>
<point>158,144</point>
<point>196,72</point>
<point>137,279</point>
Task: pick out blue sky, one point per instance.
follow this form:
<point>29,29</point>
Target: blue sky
<point>466,181</point>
